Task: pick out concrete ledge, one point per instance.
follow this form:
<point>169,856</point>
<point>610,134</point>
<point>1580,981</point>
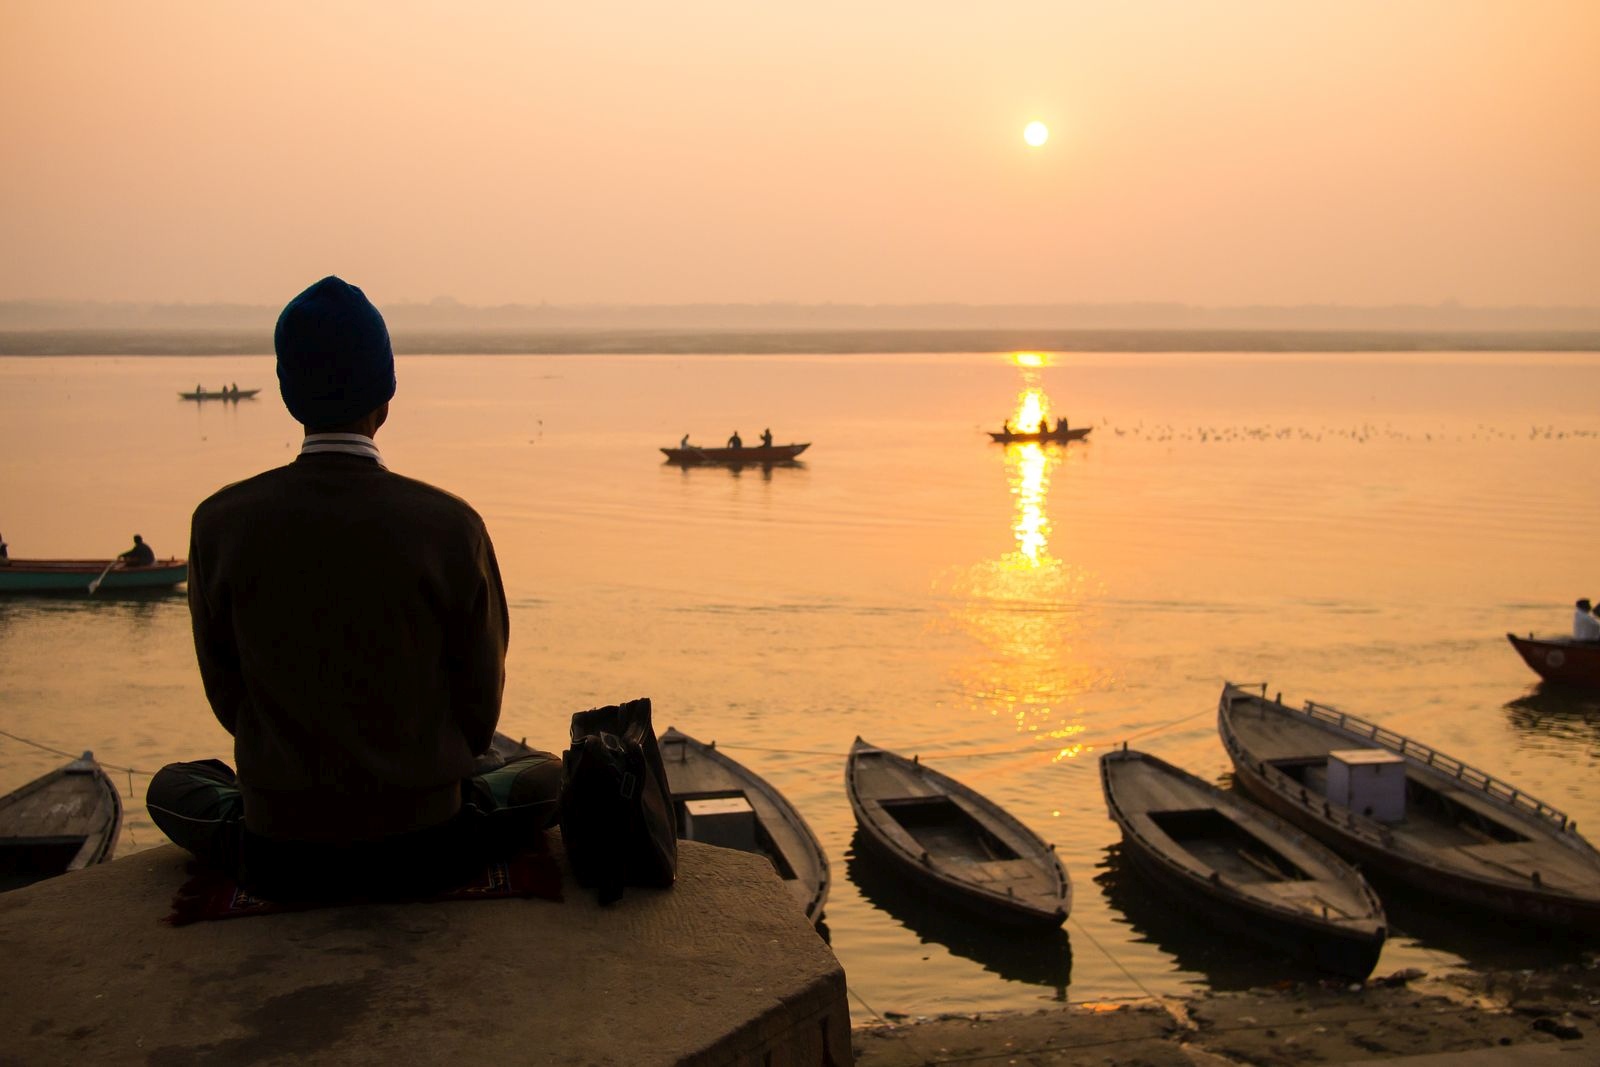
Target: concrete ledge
<point>722,969</point>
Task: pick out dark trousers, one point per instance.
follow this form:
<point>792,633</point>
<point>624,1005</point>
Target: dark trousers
<point>199,807</point>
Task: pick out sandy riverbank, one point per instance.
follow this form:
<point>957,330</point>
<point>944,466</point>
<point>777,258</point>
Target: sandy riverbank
<point>1406,1014</point>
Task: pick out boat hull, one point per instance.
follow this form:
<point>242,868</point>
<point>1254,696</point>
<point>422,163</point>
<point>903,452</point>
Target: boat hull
<point>1275,911</point>
<point>75,576</point>
<point>1510,885</point>
<point>1015,880</point>
<point>1561,660</point>
<point>734,457</point>
<point>1077,433</point>
<point>1348,957</point>
<point>64,821</point>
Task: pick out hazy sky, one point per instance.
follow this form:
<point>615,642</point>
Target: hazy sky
<point>722,150</point>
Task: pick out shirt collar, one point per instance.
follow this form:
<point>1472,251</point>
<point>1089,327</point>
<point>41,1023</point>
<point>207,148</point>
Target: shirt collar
<point>354,444</point>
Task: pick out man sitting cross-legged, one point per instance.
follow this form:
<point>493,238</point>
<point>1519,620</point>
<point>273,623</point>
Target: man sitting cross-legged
<point>351,631</point>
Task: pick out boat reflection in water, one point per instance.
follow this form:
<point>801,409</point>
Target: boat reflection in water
<point>1041,957</point>
<point>1556,714</point>
<point>1161,918</point>
<point>737,468</point>
<point>1421,925</point>
<point>1026,608</point>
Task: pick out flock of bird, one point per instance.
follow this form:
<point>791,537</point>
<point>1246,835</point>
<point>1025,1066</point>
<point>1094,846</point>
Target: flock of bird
<point>1359,434</point>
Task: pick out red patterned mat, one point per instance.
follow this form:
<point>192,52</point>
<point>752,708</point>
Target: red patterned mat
<point>211,894</point>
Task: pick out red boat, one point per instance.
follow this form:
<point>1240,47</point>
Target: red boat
<point>736,457</point>
<point>1561,659</point>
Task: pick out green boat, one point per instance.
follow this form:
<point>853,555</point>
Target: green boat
<point>78,575</point>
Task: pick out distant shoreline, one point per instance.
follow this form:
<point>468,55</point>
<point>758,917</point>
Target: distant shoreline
<point>233,342</point>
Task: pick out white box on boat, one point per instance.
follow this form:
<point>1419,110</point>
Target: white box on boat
<point>726,821</point>
<point>1369,781</point>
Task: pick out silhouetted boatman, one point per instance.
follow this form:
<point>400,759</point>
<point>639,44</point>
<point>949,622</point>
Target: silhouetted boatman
<point>734,442</point>
<point>766,438</point>
<point>1585,627</point>
<point>351,631</point>
<point>140,555</point>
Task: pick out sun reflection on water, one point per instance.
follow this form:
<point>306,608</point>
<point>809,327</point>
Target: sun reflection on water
<point>1030,414</point>
<point>1027,608</point>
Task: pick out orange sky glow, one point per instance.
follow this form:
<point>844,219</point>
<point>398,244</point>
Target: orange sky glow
<point>1218,153</point>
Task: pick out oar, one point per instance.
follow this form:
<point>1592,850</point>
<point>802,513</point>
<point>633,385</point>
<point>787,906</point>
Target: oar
<point>102,576</point>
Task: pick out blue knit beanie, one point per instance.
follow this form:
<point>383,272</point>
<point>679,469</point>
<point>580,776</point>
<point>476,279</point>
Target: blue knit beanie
<point>335,363</point>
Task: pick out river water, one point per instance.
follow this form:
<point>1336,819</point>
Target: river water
<point>1358,529</point>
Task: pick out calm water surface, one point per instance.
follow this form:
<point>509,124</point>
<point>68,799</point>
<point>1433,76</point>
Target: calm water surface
<point>1358,529</point>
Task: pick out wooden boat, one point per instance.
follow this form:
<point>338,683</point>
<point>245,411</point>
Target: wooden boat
<point>1042,958</point>
<point>953,841</point>
<point>1246,867</point>
<point>203,394</point>
<point>721,802</point>
<point>758,455</point>
<point>65,821</point>
<point>76,575</point>
<point>1561,659</point>
<point>1075,433</point>
<point>1401,809</point>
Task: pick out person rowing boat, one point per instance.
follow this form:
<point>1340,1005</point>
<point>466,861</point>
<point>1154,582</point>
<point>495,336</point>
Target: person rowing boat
<point>140,555</point>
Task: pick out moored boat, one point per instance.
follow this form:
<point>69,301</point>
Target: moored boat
<point>1042,958</point>
<point>1248,868</point>
<point>953,841</point>
<point>757,455</point>
<point>1562,660</point>
<point>77,575</point>
<point>1076,433</point>
<point>67,820</point>
<point>721,802</point>
<point>1403,810</point>
<point>225,394</point>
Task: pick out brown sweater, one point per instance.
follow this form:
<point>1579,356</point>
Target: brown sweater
<point>351,630</point>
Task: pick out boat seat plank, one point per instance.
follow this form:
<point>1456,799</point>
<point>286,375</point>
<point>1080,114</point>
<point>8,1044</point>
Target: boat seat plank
<point>896,785</point>
<point>1310,898</point>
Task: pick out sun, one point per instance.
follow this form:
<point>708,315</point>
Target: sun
<point>1036,133</point>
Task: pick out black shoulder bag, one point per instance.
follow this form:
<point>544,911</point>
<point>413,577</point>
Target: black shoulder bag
<point>617,822</point>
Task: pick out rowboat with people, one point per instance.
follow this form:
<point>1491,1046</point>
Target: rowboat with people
<point>1044,435</point>
<point>1562,660</point>
<point>64,821</point>
<point>222,394</point>
<point>757,455</point>
<point>954,842</point>
<point>1406,811</point>
<point>1243,866</point>
<point>88,575</point>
